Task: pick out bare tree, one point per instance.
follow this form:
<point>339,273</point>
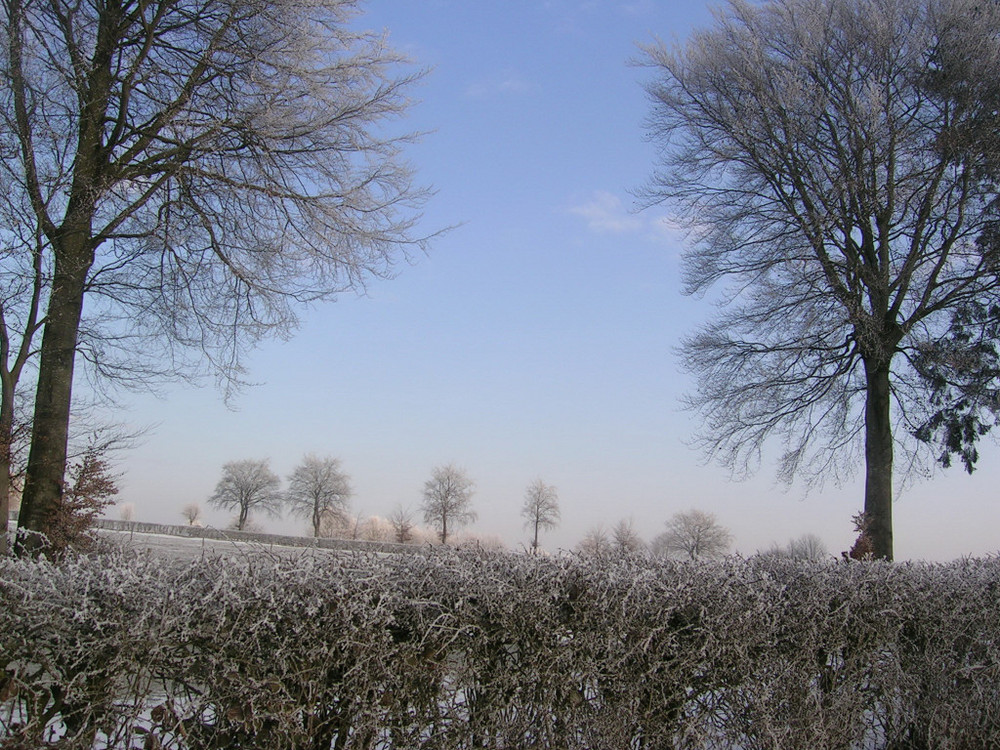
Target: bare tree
<point>807,547</point>
<point>815,167</point>
<point>625,539</point>
<point>694,535</point>
<point>448,500</point>
<point>336,525</point>
<point>316,488</point>
<point>595,542</point>
<point>191,513</point>
<point>23,286</point>
<point>194,169</point>
<point>401,520</point>
<point>377,529</point>
<point>246,486</point>
<point>540,509</point>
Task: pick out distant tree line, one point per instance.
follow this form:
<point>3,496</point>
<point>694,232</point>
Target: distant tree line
<point>319,491</point>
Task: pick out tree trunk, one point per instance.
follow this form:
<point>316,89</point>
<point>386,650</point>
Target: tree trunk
<point>43,483</point>
<point>878,459</point>
<point>6,438</point>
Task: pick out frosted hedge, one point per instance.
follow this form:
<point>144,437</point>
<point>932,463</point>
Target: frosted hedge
<point>450,651</point>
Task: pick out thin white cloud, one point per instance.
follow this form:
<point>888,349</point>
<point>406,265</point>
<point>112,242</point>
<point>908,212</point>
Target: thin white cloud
<point>606,213</point>
<point>670,229</point>
<point>507,82</point>
<point>639,8</point>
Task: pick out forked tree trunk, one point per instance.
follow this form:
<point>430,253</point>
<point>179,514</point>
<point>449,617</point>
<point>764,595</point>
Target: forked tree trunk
<point>43,483</point>
<point>878,459</point>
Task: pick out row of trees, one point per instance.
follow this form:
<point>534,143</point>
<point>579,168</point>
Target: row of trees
<point>320,491</point>
<point>691,535</point>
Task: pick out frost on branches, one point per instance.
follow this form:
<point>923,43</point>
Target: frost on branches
<point>459,650</point>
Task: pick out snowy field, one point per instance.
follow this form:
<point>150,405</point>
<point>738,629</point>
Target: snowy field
<point>195,548</point>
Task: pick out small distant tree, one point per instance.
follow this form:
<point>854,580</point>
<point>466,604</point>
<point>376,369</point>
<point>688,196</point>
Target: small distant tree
<point>401,520</point>
<point>694,535</point>
<point>126,511</point>
<point>448,500</point>
<point>808,547</point>
<point>336,526</point>
<point>376,529</point>
<point>318,487</point>
<point>540,509</point>
<point>625,539</point>
<point>89,489</point>
<point>595,542</point>
<point>191,513</point>
<point>246,486</point>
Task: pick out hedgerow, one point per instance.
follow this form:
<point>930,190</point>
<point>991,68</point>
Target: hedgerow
<point>455,650</point>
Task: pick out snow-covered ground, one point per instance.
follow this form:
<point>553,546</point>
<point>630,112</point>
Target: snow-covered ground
<point>188,548</point>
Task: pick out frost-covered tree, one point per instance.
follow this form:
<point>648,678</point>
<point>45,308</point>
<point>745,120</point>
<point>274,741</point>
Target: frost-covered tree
<point>807,547</point>
<point>448,500</point>
<point>826,177</point>
<point>376,529</point>
<point>625,539</point>
<point>191,513</point>
<point>245,486</point>
<point>192,169</point>
<point>540,509</point>
<point>401,521</point>
<point>318,488</point>
<point>694,535</point>
<point>595,542</point>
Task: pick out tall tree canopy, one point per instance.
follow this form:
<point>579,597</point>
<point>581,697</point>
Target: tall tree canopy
<point>194,168</point>
<point>821,174</point>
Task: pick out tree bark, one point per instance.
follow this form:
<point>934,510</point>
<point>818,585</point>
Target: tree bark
<point>43,483</point>
<point>878,458</point>
<point>6,440</point>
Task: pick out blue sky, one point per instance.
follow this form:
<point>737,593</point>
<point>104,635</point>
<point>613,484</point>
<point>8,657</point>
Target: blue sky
<point>536,339</point>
